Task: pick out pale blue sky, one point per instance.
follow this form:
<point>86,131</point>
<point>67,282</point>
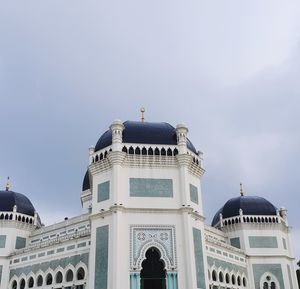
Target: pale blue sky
<point>230,70</point>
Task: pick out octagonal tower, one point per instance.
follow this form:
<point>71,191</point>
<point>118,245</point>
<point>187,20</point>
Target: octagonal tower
<point>143,190</point>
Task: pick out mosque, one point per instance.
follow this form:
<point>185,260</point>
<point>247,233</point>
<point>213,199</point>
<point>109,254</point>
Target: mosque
<point>142,225</point>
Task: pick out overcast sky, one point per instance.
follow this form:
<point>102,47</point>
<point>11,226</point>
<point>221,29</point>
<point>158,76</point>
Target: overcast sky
<point>228,69</point>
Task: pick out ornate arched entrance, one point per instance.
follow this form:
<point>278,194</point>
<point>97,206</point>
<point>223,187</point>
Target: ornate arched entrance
<point>153,273</point>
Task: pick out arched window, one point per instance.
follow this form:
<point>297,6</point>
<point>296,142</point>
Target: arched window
<point>80,274</point>
<point>221,278</point>
<point>144,151</point>
<point>69,275</point>
<point>269,282</point>
<point>137,151</point>
<point>30,282</point>
<point>49,279</point>
<point>227,278</point>
<point>22,284</point>
<point>239,280</point>
<point>156,151</point>
<point>163,152</point>
<point>58,277</point>
<point>233,279</point>
<point>214,275</point>
<point>14,285</point>
<point>169,152</point>
<point>124,149</point>
<point>175,152</point>
<point>244,282</point>
<point>39,281</point>
<point>150,152</point>
<point>131,151</point>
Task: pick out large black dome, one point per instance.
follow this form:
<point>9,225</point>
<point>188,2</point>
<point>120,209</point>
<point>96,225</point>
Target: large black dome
<point>8,199</point>
<point>144,133</point>
<point>249,204</point>
<point>86,181</point>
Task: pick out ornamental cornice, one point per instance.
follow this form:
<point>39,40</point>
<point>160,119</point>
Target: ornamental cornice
<point>211,240</point>
<point>184,159</point>
<point>17,225</point>
<point>116,157</point>
<point>196,170</point>
<point>120,208</point>
<point>100,166</point>
<point>53,242</point>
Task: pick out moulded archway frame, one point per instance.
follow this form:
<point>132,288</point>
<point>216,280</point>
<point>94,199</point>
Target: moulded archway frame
<point>160,248</point>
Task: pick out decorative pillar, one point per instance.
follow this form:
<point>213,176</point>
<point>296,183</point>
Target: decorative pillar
<point>181,132</point>
<point>241,216</point>
<point>91,152</point>
<point>174,281</point>
<point>168,280</point>
<point>117,128</point>
<point>131,280</point>
<point>137,281</point>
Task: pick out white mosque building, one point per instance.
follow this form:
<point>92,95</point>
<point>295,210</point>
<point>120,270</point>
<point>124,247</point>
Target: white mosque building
<point>142,225</point>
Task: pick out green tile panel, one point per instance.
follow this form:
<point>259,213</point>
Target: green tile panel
<point>53,264</point>
<point>101,258</point>
<point>20,243</point>
<point>199,262</point>
<point>235,242</point>
<point>156,188</point>
<point>2,241</point>
<point>263,242</point>
<point>103,192</point>
<point>194,194</point>
<point>260,269</point>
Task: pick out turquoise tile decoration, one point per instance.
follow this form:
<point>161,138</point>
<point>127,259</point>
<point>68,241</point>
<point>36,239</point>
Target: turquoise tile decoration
<point>101,258</point>
<point>225,265</point>
<point>263,242</point>
<point>156,188</point>
<point>2,241</point>
<point>235,242</point>
<point>199,262</point>
<point>194,194</point>
<point>290,276</point>
<point>260,269</point>
<point>53,265</point>
<point>103,192</point>
<point>20,243</point>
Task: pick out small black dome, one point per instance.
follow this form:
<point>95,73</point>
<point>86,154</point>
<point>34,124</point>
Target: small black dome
<point>144,133</point>
<point>249,204</point>
<point>86,181</point>
<point>8,199</point>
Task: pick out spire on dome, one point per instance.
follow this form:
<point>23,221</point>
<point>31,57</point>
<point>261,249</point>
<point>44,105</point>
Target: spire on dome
<point>142,116</point>
<point>241,190</point>
<point>7,188</point>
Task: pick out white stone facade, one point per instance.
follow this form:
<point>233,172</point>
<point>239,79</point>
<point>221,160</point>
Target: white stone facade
<point>145,197</point>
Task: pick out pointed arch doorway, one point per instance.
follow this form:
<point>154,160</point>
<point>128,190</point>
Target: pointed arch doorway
<point>153,273</point>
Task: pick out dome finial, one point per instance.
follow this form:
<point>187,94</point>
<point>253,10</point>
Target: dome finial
<point>7,188</point>
<point>142,111</point>
<point>241,190</point>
